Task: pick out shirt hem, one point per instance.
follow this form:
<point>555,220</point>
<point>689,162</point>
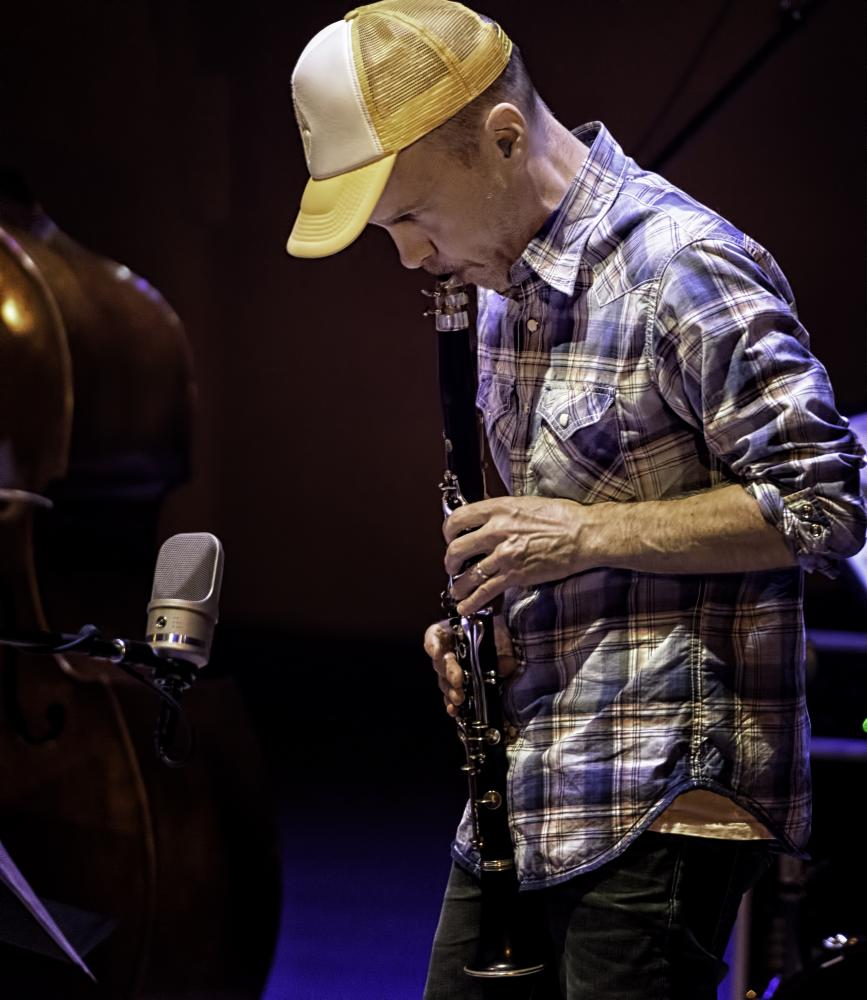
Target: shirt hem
<point>778,842</point>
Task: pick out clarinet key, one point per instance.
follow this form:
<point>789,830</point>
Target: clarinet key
<point>491,799</point>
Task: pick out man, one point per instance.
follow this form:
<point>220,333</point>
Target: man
<point>674,461</point>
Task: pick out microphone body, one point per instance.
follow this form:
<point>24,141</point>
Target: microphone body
<point>182,614</point>
<point>184,604</point>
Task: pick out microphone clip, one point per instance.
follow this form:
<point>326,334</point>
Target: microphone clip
<point>173,678</point>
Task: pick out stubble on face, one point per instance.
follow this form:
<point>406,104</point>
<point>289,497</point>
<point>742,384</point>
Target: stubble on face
<point>466,216</point>
<point>485,239</point>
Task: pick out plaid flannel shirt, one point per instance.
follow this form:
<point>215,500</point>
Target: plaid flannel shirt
<point>647,349</point>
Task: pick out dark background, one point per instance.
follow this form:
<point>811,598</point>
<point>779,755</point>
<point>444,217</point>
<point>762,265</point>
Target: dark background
<point>160,134</point>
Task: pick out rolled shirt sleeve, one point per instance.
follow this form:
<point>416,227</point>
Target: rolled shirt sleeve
<point>733,360</point>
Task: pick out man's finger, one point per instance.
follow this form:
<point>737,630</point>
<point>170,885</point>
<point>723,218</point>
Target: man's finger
<point>484,595</point>
<point>468,518</point>
<point>453,671</point>
<point>455,695</point>
<point>475,576</point>
<point>437,640</point>
<point>461,550</point>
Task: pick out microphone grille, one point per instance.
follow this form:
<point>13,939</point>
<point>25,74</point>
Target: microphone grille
<point>186,568</point>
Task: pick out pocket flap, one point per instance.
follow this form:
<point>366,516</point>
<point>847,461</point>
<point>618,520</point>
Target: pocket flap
<point>566,406</point>
<point>494,395</point>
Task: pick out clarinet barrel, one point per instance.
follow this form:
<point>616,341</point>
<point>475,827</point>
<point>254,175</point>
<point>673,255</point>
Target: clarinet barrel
<point>505,938</point>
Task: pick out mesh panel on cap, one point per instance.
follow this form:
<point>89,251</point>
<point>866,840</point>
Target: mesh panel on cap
<point>420,61</point>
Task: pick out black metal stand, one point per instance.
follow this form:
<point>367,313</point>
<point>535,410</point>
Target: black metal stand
<point>793,16</point>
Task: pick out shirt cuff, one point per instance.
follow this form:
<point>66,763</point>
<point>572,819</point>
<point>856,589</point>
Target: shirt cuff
<point>803,520</point>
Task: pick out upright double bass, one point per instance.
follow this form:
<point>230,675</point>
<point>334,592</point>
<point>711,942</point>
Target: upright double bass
<point>96,407</point>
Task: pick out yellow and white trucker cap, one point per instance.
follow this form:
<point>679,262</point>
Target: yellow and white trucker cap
<point>370,85</point>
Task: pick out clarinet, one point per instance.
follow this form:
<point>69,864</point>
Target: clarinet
<point>504,944</point>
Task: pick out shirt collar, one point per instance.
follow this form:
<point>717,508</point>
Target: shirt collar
<point>555,252</point>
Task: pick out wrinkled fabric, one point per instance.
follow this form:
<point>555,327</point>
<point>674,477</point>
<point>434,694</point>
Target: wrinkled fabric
<point>648,349</point>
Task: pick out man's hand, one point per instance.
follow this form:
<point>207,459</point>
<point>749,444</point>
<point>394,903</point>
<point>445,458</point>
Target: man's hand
<point>439,646</point>
<point>523,541</point>
<point>528,540</point>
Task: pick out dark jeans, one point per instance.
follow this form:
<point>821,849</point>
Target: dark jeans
<point>652,924</point>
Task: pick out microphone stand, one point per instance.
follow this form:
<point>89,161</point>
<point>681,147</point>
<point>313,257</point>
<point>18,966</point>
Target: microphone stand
<point>123,652</point>
<point>793,15</point>
<point>171,677</point>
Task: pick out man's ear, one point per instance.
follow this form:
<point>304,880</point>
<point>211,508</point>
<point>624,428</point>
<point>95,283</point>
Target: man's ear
<point>506,126</point>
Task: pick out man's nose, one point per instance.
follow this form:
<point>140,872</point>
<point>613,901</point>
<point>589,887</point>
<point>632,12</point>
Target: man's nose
<point>412,245</point>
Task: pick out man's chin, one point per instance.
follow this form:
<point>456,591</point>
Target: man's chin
<point>495,281</point>
<point>479,274</point>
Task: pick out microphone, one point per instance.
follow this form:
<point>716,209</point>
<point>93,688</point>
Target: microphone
<point>182,614</point>
<point>184,604</point>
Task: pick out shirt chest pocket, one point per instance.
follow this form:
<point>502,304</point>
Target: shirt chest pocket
<point>576,452</point>
<point>495,401</point>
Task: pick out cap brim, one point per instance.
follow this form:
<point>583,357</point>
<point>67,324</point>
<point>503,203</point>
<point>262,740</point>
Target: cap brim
<point>334,211</point>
